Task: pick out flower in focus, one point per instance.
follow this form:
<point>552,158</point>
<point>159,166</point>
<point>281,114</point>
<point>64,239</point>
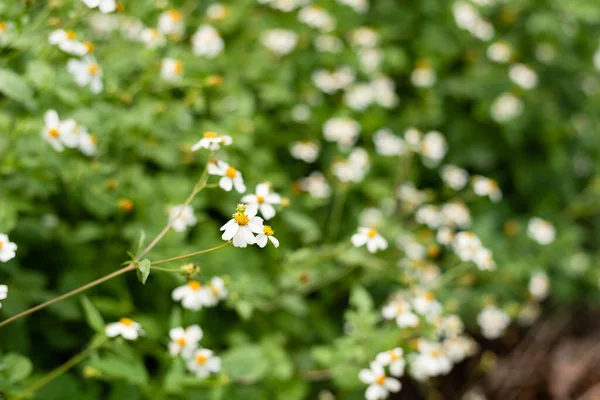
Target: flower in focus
<point>105,6</point>
<point>212,141</point>
<point>203,363</point>
<point>455,177</point>
<point>263,199</point>
<point>126,328</point>
<point>280,41</point>
<point>67,42</point>
<point>242,227</point>
<point>316,185</point>
<point>394,359</point>
<point>483,186</point>
<point>231,177</point>
<point>371,238</point>
<point>305,151</point>
<point>266,235</point>
<point>171,23</point>
<point>193,295</point>
<point>182,217</point>
<point>344,131</point>
<point>401,311</point>
<point>171,70</point>
<point>184,341</point>
<point>3,293</point>
<point>58,133</point>
<point>539,285</point>
<point>207,42</point>
<point>380,385</point>
<point>86,72</point>
<point>506,107</point>
<point>492,322</point>
<point>541,231</point>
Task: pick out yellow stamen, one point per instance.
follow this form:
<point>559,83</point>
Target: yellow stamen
<point>260,199</point>
<point>53,133</point>
<point>126,321</point>
<point>380,380</point>
<point>268,231</point>
<point>231,172</point>
<point>70,35</point>
<point>175,15</point>
<point>1,245</point>
<point>93,69</point>
<point>89,46</point>
<point>178,67</point>
<point>241,219</point>
<point>436,353</point>
<point>393,356</point>
<point>210,135</point>
<point>181,342</point>
<point>429,296</point>
<point>215,291</point>
<point>194,285</point>
<point>214,80</point>
<point>200,359</point>
<point>94,139</point>
<point>372,233</point>
<point>400,308</point>
<point>3,26</point>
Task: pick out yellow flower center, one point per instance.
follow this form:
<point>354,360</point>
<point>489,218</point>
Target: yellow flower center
<point>181,342</point>
<point>126,321</point>
<point>436,353</point>
<point>380,380</point>
<point>210,135</point>
<point>70,35</point>
<point>200,359</point>
<point>429,296</point>
<point>89,46</point>
<point>231,172</point>
<point>194,285</point>
<point>260,199</point>
<point>3,26</point>
<point>94,139</point>
<point>1,245</point>
<point>178,67</point>
<point>53,133</point>
<point>372,233</point>
<point>94,69</point>
<point>241,219</point>
<point>399,308</point>
<point>215,291</point>
<point>125,204</point>
<point>393,356</point>
<point>175,15</point>
<point>268,230</point>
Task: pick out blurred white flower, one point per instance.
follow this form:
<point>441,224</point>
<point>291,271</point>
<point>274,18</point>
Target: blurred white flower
<point>360,6</point>
<point>458,348</point>
<point>493,322</point>
<point>216,291</point>
<point>597,59</point>
<point>212,141</point>
<point>370,216</point>
<point>193,296</point>
<point>429,215</point>
<point>317,17</point>
<point>307,151</point>
<point>58,133</point>
<point>394,359</point>
<point>207,42</point>
<point>423,75</point>
<point>523,76</point>
<point>380,385</point>
<point>184,341</point>
<point>182,217</point>
<point>265,236</point>
<point>500,52</point>
<point>280,41</point>
<point>371,238</point>
<point>217,12</point>
<point>483,187</point>
<point>444,236</point>
<point>126,328</point>
<point>539,285</point>
<point>388,144</point>
<point>431,360</point>
<point>330,82</point>
<point>328,44</point>
<point>171,70</point>
<point>3,293</point>
<point>545,52</point>
<point>242,227</point>
<point>467,17</point>
<point>171,23</point>
<point>484,260</point>
<point>425,303</point>
<point>455,215</point>
<point>263,199</point>
<point>284,5</point>
<point>203,363</point>
<point>66,40</point>
<point>354,168</point>
<point>86,72</point>
<point>412,248</point>
<point>364,37</point>
<point>370,59</point>
<point>152,38</point>
<point>316,185</point>
<point>434,148</point>
<point>344,131</point>
<point>105,6</point>
<point>359,96</point>
<point>401,311</point>
<point>541,231</point>
<point>87,143</point>
<point>301,113</point>
<point>384,92</point>
<point>231,177</point>
<point>455,177</point>
<point>506,107</point>
<point>410,196</point>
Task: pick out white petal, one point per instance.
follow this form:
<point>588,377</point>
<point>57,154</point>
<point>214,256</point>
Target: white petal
<point>230,232</point>
<point>359,239</point>
<point>256,225</point>
<point>248,235</point>
<point>392,384</point>
<point>51,119</point>
<point>267,210</point>
<point>226,183</point>
<point>274,240</point>
<point>238,182</point>
<point>262,190</point>
<point>176,333</point>
<point>113,329</point>
<point>107,6</point>
<point>366,376</point>
<point>261,240</point>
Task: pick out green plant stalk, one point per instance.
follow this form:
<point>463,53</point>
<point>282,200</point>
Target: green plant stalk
<point>337,210</point>
<point>183,257</point>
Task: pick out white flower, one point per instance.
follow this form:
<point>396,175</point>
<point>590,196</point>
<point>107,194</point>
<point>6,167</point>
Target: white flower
<point>455,177</point>
<point>212,141</point>
<point>207,42</point>
<point>410,195</point>
<point>369,59</point>
<point>500,52</point>
<point>184,341</point>
<point>67,42</point>
<point>394,359</point>
<point>231,177</point>
<point>364,37</point>
<point>300,113</point>
<point>455,215</point>
<point>126,328</point>
<point>216,12</point>
<point>344,131</point>
<point>330,82</point>
<point>328,44</point>
<point>354,168</point>
<point>483,186</point>
<point>467,18</point>
<point>171,23</point>
<point>506,107</point>
<point>171,70</point>
<point>316,185</point>
<point>431,360</point>
<point>459,347</point>
<point>3,293</point>
<point>370,216</point>
<point>105,6</point>
<point>380,385</point>
<point>360,6</point>
<point>265,236</point>
<point>152,37</point>
<point>57,132</point>
<point>426,304</point>
<point>423,75</point>
<point>484,260</point>
<point>429,215</point>
<point>444,236</point>
<point>242,227</point>
<point>492,322</point>
<point>384,92</point>
<point>87,143</point>
<point>280,41</point>
<point>216,291</point>
<point>263,199</point>
<point>433,147</point>
<point>203,363</point>
<point>401,311</point>
<point>305,151</point>
<point>193,295</point>
<point>182,217</point>
<point>597,59</point>
<point>371,238</point>
<point>541,231</point>
<point>523,76</point>
<point>86,72</point>
<point>359,96</point>
<point>539,285</point>
<point>413,250</point>
<point>317,17</point>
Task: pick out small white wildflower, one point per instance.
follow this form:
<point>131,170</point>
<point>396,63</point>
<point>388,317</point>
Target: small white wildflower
<point>212,141</point>
<point>171,23</point>
<point>152,38</point>
<point>371,238</point>
<point>541,231</point>
<point>354,168</point>
<point>301,113</point>
<point>455,215</point>
<point>182,217</point>
<point>305,151</point>
<point>184,341</point>
<point>483,187</point>
<point>370,217</point>
<point>267,235</point>
<point>500,52</point>
<point>459,347</point>
<point>484,260</point>
<point>423,75</point>
<point>57,132</point>
<point>87,144</point>
<point>263,199</point>
<point>328,44</point>
<point>394,359</point>
<point>444,236</point>
<point>388,144</point>
<point>316,185</point>
<point>344,131</point>
<point>207,42</point>
<point>359,97</point>
<point>523,76</point>
<point>380,385</point>
<point>364,37</point>
<point>126,328</point>
<point>431,360</point>
<point>242,227</point>
<point>506,107</point>
<point>360,6</point>
<point>171,70</point>
<point>203,363</point>
<point>410,196</point>
<point>217,12</point>
<point>400,311</point>
<point>539,285</point>
<point>193,296</point>
<point>455,177</point>
<point>105,6</point>
<point>493,322</point>
<point>317,17</point>
<point>280,41</point>
<point>429,215</point>
<point>370,59</point>
<point>433,147</point>
<point>384,92</point>
<point>231,177</point>
<point>425,303</point>
<point>86,72</point>
<point>66,40</point>
<point>216,291</point>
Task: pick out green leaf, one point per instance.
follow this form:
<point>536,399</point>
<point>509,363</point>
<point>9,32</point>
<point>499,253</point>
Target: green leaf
<point>13,86</point>
<point>16,367</point>
<point>141,241</point>
<point>144,270</point>
<point>361,299</point>
<point>115,367</point>
<point>247,362</point>
<point>92,315</point>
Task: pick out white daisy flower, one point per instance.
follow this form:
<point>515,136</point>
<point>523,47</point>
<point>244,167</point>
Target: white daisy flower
<point>328,44</point>
<point>523,76</point>
<point>66,40</point>
<point>152,38</point>
<point>394,359</point>
<point>401,311</point>
<point>316,185</point>
<point>280,41</point>
<point>344,131</point>
<point>217,12</point>
<point>207,42</point>
<point>433,147</point>
<point>317,17</point>
<point>305,151</point>
<point>105,6</point>
<point>380,385</point>
<point>423,75</point>
<point>126,328</point>
<point>231,177</point>
<point>263,199</point>
<point>86,72</point>
<point>58,133</point>
<point>212,141</point>
<point>193,295</point>
<point>364,37</point>
<point>500,52</point>
<point>3,293</point>
<point>506,107</point>
<point>430,361</point>
<point>359,96</point>
<point>541,231</point>
<point>483,187</point>
<point>216,291</point>
<point>171,70</point>
<point>370,59</point>
<point>459,347</point>
<point>242,227</point>
<point>360,6</point>
<point>384,92</point>
<point>171,23</point>
<point>203,363</point>
<point>184,341</point>
<point>87,144</point>
<point>371,238</point>
<point>455,177</point>
<point>426,304</point>
<point>539,285</point>
<point>266,235</point>
<point>182,217</point>
<point>493,322</point>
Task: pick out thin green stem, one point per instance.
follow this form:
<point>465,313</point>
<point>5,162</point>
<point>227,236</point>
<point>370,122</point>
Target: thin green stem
<point>336,210</point>
<point>164,269</point>
<point>183,257</point>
